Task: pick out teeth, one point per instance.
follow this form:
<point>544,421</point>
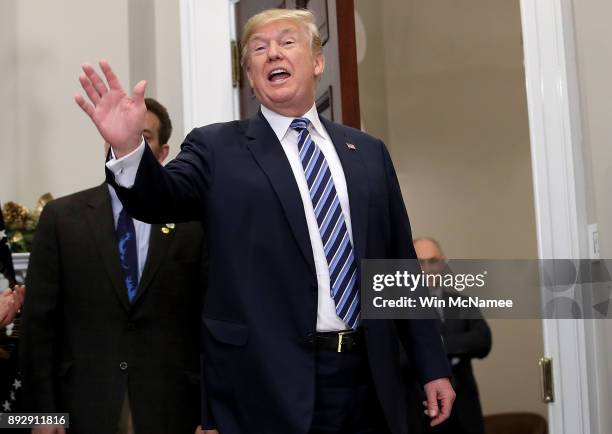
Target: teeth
<point>278,71</point>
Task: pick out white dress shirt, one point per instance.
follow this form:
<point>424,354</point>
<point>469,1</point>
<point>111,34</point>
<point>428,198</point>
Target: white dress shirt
<point>143,231</point>
<point>125,169</point>
<point>327,318</point>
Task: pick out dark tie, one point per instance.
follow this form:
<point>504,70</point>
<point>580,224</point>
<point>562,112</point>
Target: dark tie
<point>128,252</point>
<point>332,227</point>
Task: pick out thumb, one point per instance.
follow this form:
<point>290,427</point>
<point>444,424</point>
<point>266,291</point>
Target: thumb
<point>139,90</point>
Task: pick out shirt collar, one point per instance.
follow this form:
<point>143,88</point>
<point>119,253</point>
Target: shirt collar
<point>280,124</point>
<point>115,202</point>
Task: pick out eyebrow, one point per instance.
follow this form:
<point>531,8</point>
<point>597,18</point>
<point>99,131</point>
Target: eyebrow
<point>260,37</point>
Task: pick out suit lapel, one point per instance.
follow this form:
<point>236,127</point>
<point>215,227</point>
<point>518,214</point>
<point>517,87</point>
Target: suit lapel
<point>356,182</point>
<point>159,244</point>
<point>269,154</point>
<point>102,224</point>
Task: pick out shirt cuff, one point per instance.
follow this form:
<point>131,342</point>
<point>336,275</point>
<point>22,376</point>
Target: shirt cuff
<point>125,168</point>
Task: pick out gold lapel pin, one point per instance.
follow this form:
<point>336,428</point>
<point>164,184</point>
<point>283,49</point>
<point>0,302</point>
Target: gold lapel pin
<point>167,228</point>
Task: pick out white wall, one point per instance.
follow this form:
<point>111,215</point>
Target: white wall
<point>168,67</point>
<point>9,151</point>
<point>48,144</point>
<point>56,148</point>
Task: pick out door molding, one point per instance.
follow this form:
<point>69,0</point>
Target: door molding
<point>560,196</point>
<point>207,28</point>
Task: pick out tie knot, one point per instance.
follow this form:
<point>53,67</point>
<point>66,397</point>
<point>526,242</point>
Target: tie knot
<point>300,124</point>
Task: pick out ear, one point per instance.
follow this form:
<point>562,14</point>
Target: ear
<point>247,68</point>
<point>319,65</point>
<point>163,153</point>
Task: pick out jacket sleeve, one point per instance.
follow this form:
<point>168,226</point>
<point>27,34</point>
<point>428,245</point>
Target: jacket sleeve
<point>176,192</point>
<point>421,338</point>
<point>40,314</point>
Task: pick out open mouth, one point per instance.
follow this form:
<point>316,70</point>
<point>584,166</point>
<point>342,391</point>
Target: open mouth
<point>278,74</point>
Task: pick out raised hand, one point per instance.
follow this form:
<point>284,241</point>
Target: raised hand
<point>118,117</point>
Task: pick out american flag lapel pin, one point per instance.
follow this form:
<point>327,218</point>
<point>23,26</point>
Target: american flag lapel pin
<point>351,146</point>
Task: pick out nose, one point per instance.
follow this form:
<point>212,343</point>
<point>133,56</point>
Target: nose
<point>274,51</point>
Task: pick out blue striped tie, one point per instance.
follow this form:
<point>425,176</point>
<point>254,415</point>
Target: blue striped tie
<point>332,227</point>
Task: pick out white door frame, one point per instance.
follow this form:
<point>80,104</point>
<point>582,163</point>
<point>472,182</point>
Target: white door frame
<point>207,29</point>
<point>560,201</point>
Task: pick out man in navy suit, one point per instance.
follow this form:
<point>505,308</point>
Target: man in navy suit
<point>291,202</point>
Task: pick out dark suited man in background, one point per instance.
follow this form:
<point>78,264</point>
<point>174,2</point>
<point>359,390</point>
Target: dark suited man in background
<point>110,328</point>
<point>465,339</point>
<point>290,202</point>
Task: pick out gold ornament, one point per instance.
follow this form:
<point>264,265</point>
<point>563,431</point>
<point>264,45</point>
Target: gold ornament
<point>16,238</point>
<point>15,216</point>
<point>21,222</point>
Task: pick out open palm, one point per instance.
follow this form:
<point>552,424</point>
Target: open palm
<point>118,117</point>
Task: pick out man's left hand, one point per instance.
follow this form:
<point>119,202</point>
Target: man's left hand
<point>439,391</point>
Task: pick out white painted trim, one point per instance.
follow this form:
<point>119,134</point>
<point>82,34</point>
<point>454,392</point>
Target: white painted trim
<point>554,118</point>
<point>206,32</point>
<point>234,36</point>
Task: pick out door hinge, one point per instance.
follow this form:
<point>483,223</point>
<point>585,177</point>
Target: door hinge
<point>235,64</point>
<point>546,380</point>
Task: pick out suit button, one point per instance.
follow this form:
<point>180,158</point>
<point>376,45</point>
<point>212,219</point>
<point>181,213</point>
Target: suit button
<point>123,366</point>
<point>131,326</point>
<point>310,338</point>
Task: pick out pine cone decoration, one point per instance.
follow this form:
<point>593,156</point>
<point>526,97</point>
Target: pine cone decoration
<point>15,216</point>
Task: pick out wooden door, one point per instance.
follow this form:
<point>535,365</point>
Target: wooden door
<point>337,92</point>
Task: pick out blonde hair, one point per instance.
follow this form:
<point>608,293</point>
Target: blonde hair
<point>303,17</point>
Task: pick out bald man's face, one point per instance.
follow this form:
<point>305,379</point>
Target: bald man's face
<point>430,256</point>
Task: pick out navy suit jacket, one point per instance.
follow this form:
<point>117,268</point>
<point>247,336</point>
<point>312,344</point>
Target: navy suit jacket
<point>260,311</point>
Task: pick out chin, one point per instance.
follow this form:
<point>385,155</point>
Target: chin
<point>281,100</point>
